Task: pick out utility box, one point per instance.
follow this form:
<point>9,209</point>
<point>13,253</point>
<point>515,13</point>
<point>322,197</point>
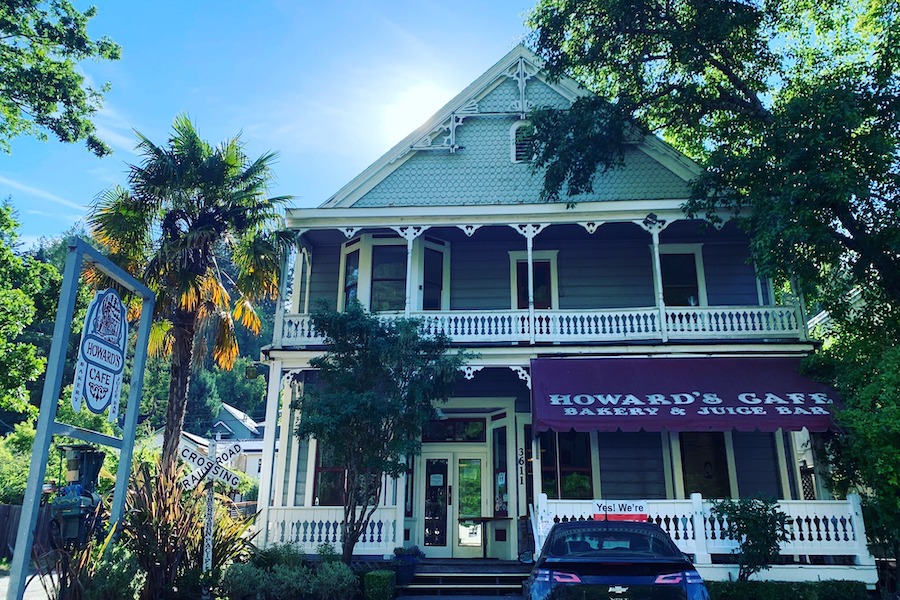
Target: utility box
<point>75,507</point>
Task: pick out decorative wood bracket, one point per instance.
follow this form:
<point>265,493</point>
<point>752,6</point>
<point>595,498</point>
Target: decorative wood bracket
<point>523,374</point>
<point>409,233</point>
<point>651,223</point>
<point>530,230</point>
<point>350,231</point>
<point>469,229</point>
<point>470,370</point>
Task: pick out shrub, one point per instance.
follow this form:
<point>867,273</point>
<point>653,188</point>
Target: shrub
<point>780,590</point>
<point>759,528</point>
<point>327,552</point>
<point>380,585</point>
<point>335,581</point>
<point>244,582</point>
<point>117,576</point>
<point>279,554</point>
<point>290,582</point>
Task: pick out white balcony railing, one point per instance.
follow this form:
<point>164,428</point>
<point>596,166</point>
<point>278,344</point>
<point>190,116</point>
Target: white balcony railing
<point>307,527</point>
<point>816,528</point>
<point>587,326</point>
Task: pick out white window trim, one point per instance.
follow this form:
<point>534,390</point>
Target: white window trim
<point>418,272</point>
<point>512,141</point>
<point>516,256</point>
<point>365,242</point>
<point>697,251</point>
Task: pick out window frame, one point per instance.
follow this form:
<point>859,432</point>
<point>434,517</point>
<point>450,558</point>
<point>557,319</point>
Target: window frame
<point>513,142</point>
<point>365,244</point>
<point>517,256</point>
<point>697,251</point>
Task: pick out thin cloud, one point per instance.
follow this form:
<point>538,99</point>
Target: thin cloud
<point>39,193</point>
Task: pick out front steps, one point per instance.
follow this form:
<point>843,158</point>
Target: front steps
<point>467,577</point>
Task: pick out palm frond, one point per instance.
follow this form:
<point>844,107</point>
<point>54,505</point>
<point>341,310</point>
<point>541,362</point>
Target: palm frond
<point>246,315</point>
<point>160,340</point>
<point>225,347</point>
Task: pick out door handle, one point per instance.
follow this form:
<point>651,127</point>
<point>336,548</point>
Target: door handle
<point>449,495</point>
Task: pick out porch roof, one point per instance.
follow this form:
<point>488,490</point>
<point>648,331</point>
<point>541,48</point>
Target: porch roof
<point>677,394</point>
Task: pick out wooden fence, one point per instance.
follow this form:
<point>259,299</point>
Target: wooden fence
<point>9,527</point>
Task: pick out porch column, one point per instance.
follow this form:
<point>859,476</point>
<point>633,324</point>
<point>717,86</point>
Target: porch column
<point>654,225</point>
<point>409,234</point>
<point>278,330</point>
<point>267,471</point>
<point>530,230</point>
<point>307,271</point>
<point>701,555</point>
<point>863,555</point>
<point>801,306</point>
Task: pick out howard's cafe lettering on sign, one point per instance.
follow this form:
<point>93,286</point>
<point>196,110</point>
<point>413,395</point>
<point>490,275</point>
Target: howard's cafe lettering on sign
<point>677,394</point>
<point>101,355</point>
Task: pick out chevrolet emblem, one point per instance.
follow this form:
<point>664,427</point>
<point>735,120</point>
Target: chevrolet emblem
<point>617,589</point>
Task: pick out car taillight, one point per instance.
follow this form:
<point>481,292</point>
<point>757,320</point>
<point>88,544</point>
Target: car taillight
<point>556,576</point>
<point>676,578</point>
<point>670,578</point>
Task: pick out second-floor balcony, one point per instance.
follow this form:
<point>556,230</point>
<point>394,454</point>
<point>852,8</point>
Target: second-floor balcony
<point>587,326</point>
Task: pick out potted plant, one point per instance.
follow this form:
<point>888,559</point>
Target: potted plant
<point>405,560</point>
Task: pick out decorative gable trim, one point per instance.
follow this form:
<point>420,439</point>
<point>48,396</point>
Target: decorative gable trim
<point>439,133</point>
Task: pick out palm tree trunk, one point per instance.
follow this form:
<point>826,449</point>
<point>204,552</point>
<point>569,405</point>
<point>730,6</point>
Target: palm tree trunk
<point>182,356</point>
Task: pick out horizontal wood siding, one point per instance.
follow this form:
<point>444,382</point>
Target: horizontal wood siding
<point>730,279</point>
<point>326,265</point>
<point>605,274</point>
<point>756,462</point>
<point>631,465</point>
<point>479,276</point>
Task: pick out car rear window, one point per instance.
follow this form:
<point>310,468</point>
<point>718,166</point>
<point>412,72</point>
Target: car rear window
<point>584,541</point>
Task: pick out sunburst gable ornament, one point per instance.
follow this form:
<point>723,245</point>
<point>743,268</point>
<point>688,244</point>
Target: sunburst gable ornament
<point>101,355</point>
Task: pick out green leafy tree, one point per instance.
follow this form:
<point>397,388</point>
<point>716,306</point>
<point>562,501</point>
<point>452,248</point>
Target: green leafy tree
<point>376,388</point>
<point>23,292</point>
<point>759,528</point>
<point>187,199</point>
<point>41,87</point>
<point>791,108</point>
<point>792,112</point>
<point>246,395</point>
<point>861,356</point>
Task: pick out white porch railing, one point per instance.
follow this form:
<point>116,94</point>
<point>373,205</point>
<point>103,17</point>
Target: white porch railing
<point>586,326</point>
<point>817,528</point>
<point>307,527</point>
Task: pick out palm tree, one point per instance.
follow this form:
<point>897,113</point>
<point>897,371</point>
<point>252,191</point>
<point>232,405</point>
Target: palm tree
<point>189,203</point>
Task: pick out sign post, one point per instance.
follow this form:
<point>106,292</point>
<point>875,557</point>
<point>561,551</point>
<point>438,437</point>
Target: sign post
<point>47,426</point>
<point>209,468</point>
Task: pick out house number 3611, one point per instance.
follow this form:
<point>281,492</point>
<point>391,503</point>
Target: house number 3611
<point>521,462</point>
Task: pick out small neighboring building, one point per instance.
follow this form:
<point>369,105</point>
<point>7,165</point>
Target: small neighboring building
<point>627,356</point>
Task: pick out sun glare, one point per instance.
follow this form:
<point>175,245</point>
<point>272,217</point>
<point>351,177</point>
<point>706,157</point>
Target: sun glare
<point>410,108</point>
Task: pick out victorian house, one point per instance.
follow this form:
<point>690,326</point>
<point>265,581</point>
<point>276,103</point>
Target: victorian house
<point>629,358</point>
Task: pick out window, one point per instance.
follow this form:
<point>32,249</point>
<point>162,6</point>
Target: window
<point>374,270</point>
<point>546,294</point>
<point>455,430</point>
<point>388,278</point>
<point>433,280</point>
<point>566,465</point>
<point>522,138</point>
<point>351,277</point>
<point>682,275</point>
<point>329,480</point>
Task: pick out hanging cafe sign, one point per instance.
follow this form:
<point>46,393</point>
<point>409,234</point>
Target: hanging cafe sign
<point>101,355</point>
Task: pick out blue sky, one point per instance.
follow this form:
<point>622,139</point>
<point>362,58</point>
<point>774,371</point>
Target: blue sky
<point>330,86</point>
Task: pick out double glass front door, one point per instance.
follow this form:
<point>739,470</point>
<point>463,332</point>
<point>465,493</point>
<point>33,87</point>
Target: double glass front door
<point>452,489</point>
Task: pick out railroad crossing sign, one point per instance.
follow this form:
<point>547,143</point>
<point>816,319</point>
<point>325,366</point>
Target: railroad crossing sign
<point>203,465</point>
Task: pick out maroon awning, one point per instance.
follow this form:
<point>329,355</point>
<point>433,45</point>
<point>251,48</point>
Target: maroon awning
<point>677,394</point>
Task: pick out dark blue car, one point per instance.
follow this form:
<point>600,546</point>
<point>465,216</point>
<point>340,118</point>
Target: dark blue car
<point>617,560</point>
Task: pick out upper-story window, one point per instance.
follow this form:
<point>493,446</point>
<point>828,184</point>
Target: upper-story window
<point>521,137</point>
<point>683,280</point>
<point>374,271</point>
<point>546,289</point>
